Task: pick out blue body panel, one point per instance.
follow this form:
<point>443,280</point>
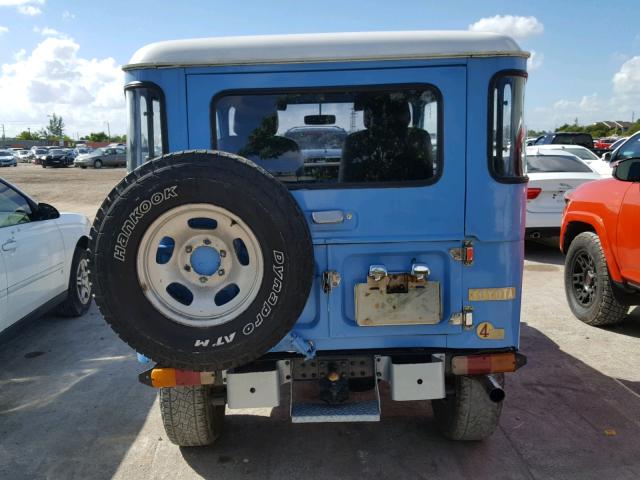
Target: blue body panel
<point>391,225</point>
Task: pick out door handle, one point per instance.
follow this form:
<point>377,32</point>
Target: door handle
<point>9,246</point>
<point>328,217</point>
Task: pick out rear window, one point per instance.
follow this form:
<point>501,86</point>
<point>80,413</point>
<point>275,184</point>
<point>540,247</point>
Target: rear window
<point>582,153</point>
<point>506,127</point>
<point>553,163</point>
<point>334,137</point>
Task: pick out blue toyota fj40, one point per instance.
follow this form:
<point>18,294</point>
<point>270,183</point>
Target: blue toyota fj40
<point>334,215</point>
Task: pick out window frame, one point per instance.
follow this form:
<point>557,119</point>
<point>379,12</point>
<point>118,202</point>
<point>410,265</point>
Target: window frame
<point>159,93</point>
<point>344,88</point>
<point>490,101</point>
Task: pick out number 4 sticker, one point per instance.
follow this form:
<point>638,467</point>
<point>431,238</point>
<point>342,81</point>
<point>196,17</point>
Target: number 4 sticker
<point>486,331</point>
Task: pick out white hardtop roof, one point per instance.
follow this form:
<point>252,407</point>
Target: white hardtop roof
<point>323,47</point>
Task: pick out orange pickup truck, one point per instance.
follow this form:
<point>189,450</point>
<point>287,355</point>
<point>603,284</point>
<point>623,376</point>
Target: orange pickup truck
<point>600,236</point>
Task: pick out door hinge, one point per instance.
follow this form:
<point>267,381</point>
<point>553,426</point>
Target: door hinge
<point>463,254</point>
<point>330,280</point>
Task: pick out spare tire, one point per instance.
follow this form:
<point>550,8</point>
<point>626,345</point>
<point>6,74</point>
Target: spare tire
<point>201,260</point>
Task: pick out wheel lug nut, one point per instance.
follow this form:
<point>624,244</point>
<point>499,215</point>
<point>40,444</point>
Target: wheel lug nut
<point>187,268</point>
<point>203,279</point>
<point>223,253</point>
<point>221,272</point>
<point>188,249</point>
<point>206,241</point>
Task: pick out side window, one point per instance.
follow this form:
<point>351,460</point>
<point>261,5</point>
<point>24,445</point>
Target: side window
<point>146,137</point>
<point>14,208</point>
<point>631,148</point>
<point>506,128</point>
<point>328,138</point>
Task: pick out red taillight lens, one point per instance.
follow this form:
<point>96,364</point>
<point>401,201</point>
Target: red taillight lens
<point>532,193</point>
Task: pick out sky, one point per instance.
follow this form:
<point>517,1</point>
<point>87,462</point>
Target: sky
<point>64,56</point>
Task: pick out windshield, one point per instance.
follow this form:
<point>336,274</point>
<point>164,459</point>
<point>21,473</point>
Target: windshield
<point>56,152</point>
<point>41,151</point>
<point>5,154</point>
<point>553,163</point>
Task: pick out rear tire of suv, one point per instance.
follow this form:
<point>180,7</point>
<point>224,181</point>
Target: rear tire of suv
<point>189,417</point>
<point>587,283</point>
<point>468,414</point>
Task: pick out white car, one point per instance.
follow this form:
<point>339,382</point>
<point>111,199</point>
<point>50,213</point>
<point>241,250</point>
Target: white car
<point>43,259</point>
<point>584,154</point>
<point>551,173</point>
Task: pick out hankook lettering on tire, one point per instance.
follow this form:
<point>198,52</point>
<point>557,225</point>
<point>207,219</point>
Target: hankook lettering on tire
<point>134,217</point>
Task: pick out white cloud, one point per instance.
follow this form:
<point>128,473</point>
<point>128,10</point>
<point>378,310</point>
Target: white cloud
<point>534,61</point>
<point>3,30</point>
<point>67,15</point>
<point>626,82</point>
<point>29,10</point>
<point>55,78</point>
<point>25,7</point>
<point>512,25</point>
<point>49,32</point>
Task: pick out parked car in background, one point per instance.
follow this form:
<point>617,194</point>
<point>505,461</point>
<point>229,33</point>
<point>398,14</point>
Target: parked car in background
<point>551,174</point>
<point>102,157</point>
<point>23,155</point>
<point>8,159</point>
<point>57,157</point>
<point>584,154</point>
<point>567,138</point>
<point>604,143</point>
<point>43,259</point>
<point>39,155</point>
<point>600,238</point>
<point>82,150</point>
<point>320,147</point>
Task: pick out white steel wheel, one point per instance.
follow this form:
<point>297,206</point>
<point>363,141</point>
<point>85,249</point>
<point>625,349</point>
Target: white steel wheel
<point>200,265</point>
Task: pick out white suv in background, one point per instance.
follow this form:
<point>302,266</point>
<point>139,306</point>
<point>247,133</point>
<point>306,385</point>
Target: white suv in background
<point>43,259</point>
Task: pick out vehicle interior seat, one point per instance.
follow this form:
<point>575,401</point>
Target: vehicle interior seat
<point>256,138</point>
<point>389,149</point>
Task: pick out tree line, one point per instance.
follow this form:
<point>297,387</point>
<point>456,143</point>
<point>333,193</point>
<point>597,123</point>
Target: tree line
<point>55,131</point>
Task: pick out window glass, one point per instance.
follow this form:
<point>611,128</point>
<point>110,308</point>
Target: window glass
<point>145,134</point>
<point>582,153</point>
<point>349,136</point>
<point>507,137</point>
<point>552,163</point>
<point>630,149</point>
<point>14,208</point>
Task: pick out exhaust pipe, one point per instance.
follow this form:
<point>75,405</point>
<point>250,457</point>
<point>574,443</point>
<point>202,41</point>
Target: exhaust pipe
<point>535,235</point>
<point>493,388</point>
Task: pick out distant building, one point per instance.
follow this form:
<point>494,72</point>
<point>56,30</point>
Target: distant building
<point>617,125</point>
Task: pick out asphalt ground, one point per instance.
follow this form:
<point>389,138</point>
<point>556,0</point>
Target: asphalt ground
<point>71,407</point>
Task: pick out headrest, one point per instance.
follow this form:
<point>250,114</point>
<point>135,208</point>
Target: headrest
<point>382,111</point>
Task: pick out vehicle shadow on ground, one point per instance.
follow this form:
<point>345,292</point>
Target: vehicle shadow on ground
<point>561,419</point>
<point>630,326</point>
<point>64,409</point>
<point>544,251</point>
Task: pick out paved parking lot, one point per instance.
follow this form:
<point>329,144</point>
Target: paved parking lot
<point>71,407</point>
